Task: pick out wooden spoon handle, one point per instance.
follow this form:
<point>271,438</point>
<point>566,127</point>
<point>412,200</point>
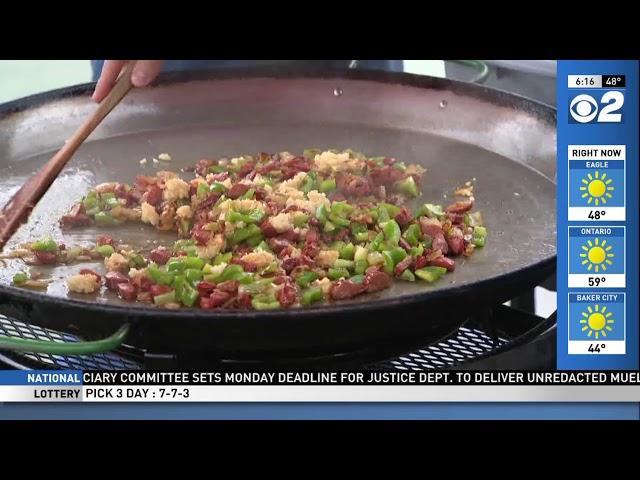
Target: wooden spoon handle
<point>18,209</point>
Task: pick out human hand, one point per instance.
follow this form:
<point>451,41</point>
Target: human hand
<point>143,74</point>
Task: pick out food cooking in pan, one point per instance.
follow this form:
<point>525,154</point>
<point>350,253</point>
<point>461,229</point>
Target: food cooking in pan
<point>267,232</point>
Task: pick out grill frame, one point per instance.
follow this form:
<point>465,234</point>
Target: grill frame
<point>481,338</point>
<point>15,328</point>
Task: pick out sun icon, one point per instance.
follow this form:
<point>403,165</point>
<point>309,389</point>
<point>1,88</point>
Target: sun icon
<point>597,321</point>
<point>597,255</point>
<point>597,188</point>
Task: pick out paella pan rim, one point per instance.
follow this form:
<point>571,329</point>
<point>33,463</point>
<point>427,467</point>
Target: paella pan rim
<point>494,95</point>
<point>10,294</point>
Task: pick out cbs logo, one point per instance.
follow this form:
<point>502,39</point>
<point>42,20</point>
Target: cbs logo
<point>584,108</point>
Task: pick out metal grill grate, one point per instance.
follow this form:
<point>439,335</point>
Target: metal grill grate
<point>101,361</point>
<point>466,344</point>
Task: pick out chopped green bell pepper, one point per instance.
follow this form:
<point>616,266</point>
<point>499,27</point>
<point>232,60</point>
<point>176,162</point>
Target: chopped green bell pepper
<point>309,183</point>
<point>431,211</point>
<point>392,232</point>
<point>300,219</point>
<point>255,240</point>
<point>160,276</point>
<point>398,254</point>
<point>90,201</point>
<point>242,234</point>
<point>44,245</point>
<point>188,295</point>
<point>417,251</point>
<point>165,298</point>
<point>312,295</point>
<point>329,227</point>
<point>336,220</point>
<point>231,272</point>
<point>341,209</point>
<point>360,232</point>
<point>217,187</point>
<point>175,265</point>
<point>479,237</point>
<point>388,263</point>
<point>137,261</point>
<point>192,262</point>
<point>383,215</point>
<point>193,275</point>
<point>413,234</point>
<point>222,258</point>
<point>202,190</point>
<point>254,216</point>
<point>322,213</point>
<point>104,219</point>
<point>408,276</point>
<point>105,250</point>
<point>265,302</point>
<point>19,278</point>
<point>400,166</point>
<point>348,251</point>
<point>392,210</point>
<point>259,286</point>
<point>376,244</point>
<point>430,274</point>
<point>328,185</point>
<point>408,187</point>
<point>306,277</point>
<point>248,194</point>
<point>263,246</point>
<point>360,253</point>
<point>336,273</point>
<point>360,266</point>
<point>342,263</point>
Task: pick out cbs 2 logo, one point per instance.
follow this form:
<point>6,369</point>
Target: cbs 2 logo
<point>585,109</point>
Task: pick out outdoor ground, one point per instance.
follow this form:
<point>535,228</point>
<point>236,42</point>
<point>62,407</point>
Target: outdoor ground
<point>19,78</point>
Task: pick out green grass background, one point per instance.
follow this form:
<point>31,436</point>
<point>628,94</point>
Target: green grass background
<point>19,78</point>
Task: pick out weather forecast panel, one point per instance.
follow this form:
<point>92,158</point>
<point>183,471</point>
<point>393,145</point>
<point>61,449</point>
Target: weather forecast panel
<point>597,215</point>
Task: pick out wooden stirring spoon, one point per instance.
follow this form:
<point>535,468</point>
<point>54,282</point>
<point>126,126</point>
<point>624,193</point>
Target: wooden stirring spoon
<point>18,209</point>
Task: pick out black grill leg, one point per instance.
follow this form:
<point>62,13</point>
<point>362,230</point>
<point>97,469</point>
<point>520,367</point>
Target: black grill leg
<point>486,322</point>
<point>525,302</point>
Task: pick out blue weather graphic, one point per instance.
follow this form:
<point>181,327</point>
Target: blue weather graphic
<point>596,254</point>
<point>599,320</point>
<point>596,187</point>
